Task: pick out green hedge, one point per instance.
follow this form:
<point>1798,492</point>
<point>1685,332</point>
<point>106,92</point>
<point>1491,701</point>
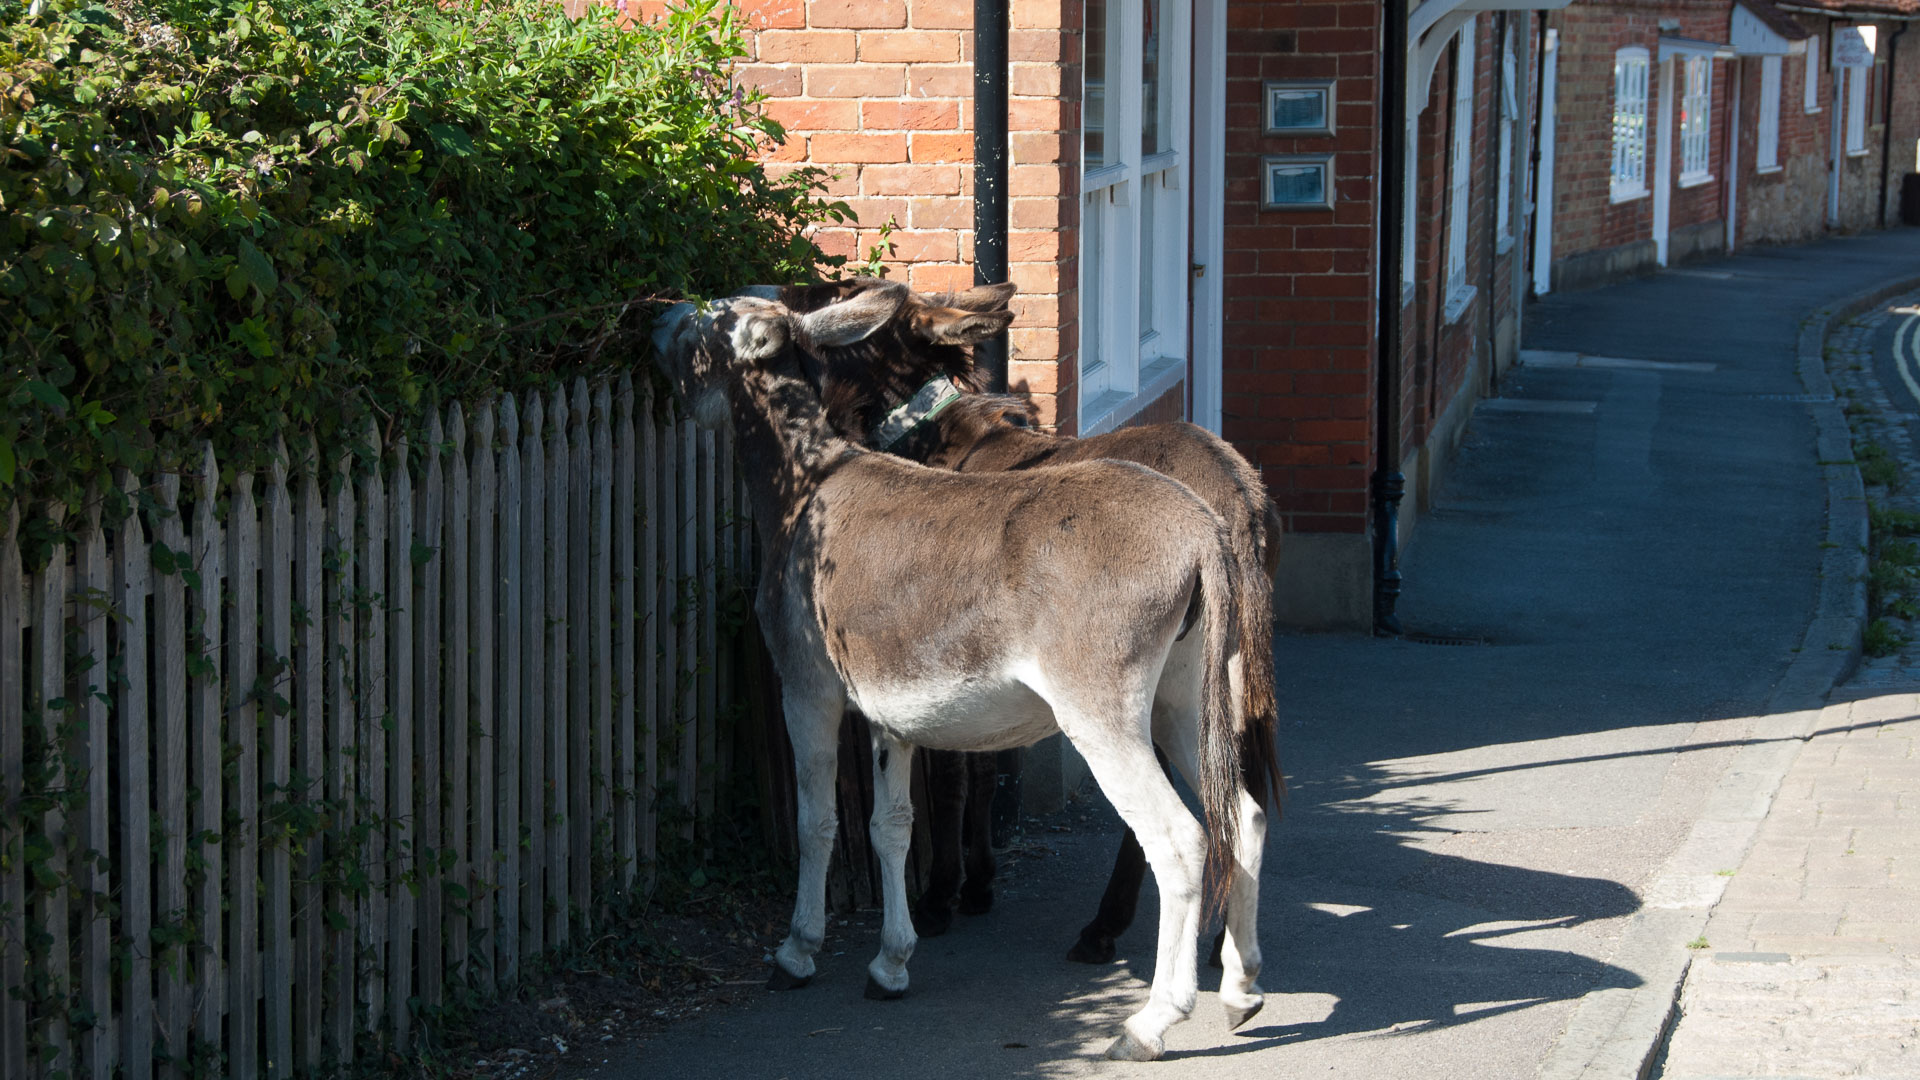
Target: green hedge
<point>234,220</point>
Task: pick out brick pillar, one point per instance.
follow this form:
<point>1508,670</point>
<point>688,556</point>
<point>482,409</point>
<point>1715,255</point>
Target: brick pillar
<point>1298,397</point>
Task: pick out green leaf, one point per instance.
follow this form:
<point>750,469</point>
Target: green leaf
<point>48,395</point>
<point>7,462</point>
<point>258,268</point>
<point>451,140</point>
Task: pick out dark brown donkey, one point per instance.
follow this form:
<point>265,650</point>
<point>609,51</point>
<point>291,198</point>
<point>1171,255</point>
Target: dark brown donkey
<point>990,433</point>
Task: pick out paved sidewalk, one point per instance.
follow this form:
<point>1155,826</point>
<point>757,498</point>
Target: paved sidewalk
<point>1813,968</point>
<point>1492,856</point>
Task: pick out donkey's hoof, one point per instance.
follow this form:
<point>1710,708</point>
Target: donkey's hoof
<point>1128,1048</point>
<point>932,920</point>
<point>876,992</point>
<point>1236,1017</point>
<point>976,903</point>
<point>782,979</point>
<point>1219,943</point>
<point>1091,949</point>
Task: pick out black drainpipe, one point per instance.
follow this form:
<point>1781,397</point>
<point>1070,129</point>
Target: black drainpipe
<point>1540,120</point>
<point>1886,120</point>
<point>1388,484</point>
<point>990,268</point>
<point>990,171</point>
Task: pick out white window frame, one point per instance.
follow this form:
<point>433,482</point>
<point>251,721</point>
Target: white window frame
<point>1509,111</point>
<point>1696,121</point>
<point>1124,367</point>
<point>1859,82</point>
<point>1810,86</point>
<point>1766,154</point>
<point>1632,79</point>
<point>1460,175</point>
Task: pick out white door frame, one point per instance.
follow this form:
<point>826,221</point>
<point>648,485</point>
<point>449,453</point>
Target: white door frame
<point>1543,172</point>
<point>1208,231</point>
<point>1663,165</point>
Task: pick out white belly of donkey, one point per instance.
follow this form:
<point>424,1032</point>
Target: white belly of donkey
<point>954,712</point>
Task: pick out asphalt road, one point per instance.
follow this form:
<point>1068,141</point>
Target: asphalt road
<point>1471,826</point>
<point>1896,359</point>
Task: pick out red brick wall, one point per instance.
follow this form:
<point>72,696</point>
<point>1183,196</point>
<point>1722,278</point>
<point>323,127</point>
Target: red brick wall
<point>1586,220</point>
<point>1440,355</point>
<point>880,92</point>
<point>1300,284</point>
<point>1790,205</point>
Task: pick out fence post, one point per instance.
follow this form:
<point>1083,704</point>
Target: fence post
<point>601,606</point>
<point>457,711</point>
<point>310,763</point>
<point>277,556</point>
<point>580,642</point>
<point>482,584</point>
<point>553,816</point>
<point>207,752</point>
<point>625,622</point>
<point>338,655</point>
<point>428,704</point>
<point>534,714</point>
<point>93,744</point>
<point>243,734</point>
<point>132,576</point>
<point>405,857</point>
<point>170,692</point>
<point>370,708</point>
<point>507,761</point>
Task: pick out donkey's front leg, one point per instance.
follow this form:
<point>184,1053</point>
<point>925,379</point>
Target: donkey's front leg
<point>813,725</point>
<point>892,831</point>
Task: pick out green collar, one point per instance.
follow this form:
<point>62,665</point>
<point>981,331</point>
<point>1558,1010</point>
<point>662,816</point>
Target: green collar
<point>925,404</point>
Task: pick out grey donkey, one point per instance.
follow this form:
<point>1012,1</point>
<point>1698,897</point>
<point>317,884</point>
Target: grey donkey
<point>964,611</point>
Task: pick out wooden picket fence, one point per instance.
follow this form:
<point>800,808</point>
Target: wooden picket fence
<point>285,756</point>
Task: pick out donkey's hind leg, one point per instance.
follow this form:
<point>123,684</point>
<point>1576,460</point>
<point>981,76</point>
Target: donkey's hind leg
<point>813,725</point>
<point>1237,949</point>
<point>1175,846</point>
<point>892,831</point>
<point>947,808</point>
<point>1240,991</point>
<point>983,774</point>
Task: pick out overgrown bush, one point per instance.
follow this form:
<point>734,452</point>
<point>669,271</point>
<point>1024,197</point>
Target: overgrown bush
<point>237,219</point>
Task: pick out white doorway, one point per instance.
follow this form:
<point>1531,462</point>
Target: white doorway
<point>1543,169</point>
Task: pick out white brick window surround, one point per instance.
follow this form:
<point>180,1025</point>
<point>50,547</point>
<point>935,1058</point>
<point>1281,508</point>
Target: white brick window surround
<point>1858,80</point>
<point>1630,75</point>
<point>1136,165</point>
<point>1767,150</point>
<point>1810,100</point>
<point>1696,122</point>
<point>1460,177</point>
<point>1509,110</point>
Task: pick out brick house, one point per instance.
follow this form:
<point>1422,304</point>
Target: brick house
<point>1694,126</point>
<point>1197,199</point>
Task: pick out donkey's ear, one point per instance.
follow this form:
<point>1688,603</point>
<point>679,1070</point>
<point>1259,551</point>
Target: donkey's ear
<point>983,297</point>
<point>855,318</point>
<point>957,326</point>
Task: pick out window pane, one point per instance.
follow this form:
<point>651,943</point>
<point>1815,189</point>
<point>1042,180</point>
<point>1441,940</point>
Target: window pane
<point>1094,96</point>
<point>1156,65</point>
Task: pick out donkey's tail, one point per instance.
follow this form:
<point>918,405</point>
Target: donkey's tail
<point>1260,709</point>
<point>1219,723</point>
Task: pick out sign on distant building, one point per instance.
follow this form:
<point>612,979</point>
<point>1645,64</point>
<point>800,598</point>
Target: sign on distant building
<point>1853,46</point>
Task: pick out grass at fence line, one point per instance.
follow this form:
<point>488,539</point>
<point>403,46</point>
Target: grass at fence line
<point>242,218</point>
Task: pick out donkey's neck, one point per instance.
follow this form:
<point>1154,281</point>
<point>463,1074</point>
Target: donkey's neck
<point>787,447</point>
<point>1001,447</point>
